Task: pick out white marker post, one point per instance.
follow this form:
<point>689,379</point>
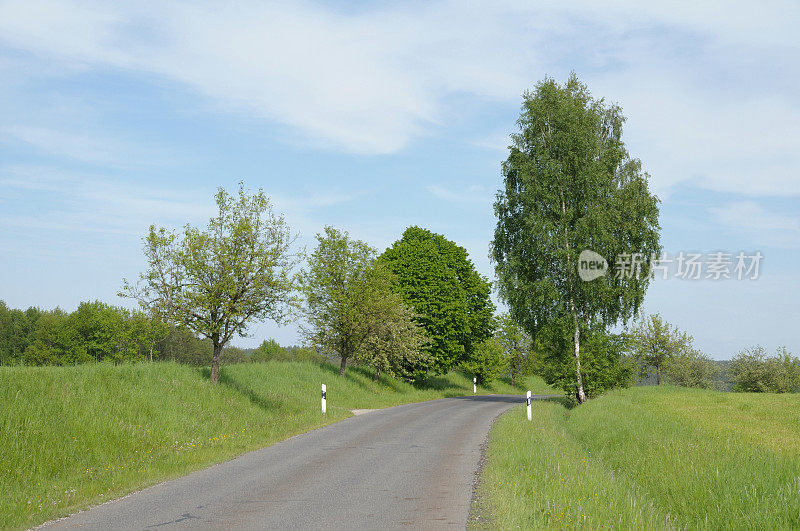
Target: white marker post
<point>474,385</point>
<point>528,401</point>
<point>324,399</point>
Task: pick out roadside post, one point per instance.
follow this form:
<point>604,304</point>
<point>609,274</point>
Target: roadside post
<point>474,385</point>
<point>324,399</point>
<point>528,401</point>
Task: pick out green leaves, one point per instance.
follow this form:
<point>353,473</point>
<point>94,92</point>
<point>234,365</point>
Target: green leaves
<point>517,346</point>
<point>570,185</point>
<point>655,342</point>
<point>95,331</point>
<point>395,343</point>
<point>218,280</point>
<point>336,288</point>
<point>451,300</point>
<point>692,369</point>
<point>487,362</point>
<point>352,311</point>
<point>752,371</point>
<point>604,363</point>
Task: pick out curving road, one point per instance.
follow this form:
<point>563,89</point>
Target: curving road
<point>395,468</point>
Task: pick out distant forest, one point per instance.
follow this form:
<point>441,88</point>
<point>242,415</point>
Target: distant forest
<point>721,377</point>
<point>98,332</point>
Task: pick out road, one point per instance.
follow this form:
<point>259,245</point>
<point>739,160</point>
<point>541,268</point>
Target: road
<point>395,468</point>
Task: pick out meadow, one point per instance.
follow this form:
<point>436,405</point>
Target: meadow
<point>75,436</point>
<point>646,458</point>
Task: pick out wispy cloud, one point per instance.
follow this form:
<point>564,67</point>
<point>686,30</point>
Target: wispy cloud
<point>80,147</point>
<point>469,194</point>
<point>372,80</point>
<point>768,227</point>
<point>496,141</point>
<point>69,202</point>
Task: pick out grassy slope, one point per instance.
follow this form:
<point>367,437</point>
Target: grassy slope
<point>74,436</point>
<point>648,458</point>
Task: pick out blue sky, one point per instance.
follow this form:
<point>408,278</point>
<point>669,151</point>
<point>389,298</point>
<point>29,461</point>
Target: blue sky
<point>375,116</point>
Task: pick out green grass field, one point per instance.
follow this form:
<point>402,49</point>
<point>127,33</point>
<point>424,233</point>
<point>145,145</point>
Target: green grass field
<point>647,458</point>
<point>75,436</point>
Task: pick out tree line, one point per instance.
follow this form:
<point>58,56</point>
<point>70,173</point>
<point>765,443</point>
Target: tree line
<point>419,307</point>
<point>99,332</point>
<point>94,332</point>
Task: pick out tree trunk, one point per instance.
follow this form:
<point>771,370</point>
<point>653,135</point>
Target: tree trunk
<point>343,365</point>
<point>512,378</point>
<point>581,396</point>
<point>658,375</point>
<point>215,360</point>
<point>377,374</point>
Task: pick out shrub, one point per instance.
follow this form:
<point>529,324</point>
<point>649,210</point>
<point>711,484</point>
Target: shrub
<point>691,368</point>
<point>753,372</point>
<point>604,360</point>
<point>270,350</point>
<point>487,362</point>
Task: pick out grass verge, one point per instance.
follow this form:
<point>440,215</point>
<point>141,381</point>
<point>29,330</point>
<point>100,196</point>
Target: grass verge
<point>647,457</point>
<point>75,436</point>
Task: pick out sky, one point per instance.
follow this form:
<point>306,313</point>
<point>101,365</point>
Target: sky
<point>373,116</point>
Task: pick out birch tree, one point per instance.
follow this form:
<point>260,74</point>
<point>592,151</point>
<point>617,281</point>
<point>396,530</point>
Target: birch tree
<point>570,185</point>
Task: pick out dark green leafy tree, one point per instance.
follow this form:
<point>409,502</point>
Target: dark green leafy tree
<point>570,185</point>
<point>56,341</point>
<point>95,331</point>
<point>104,331</point>
<point>450,299</point>
<point>215,282</point>
<point>17,329</point>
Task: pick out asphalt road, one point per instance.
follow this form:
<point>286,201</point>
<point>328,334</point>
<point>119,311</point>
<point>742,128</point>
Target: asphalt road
<point>405,466</point>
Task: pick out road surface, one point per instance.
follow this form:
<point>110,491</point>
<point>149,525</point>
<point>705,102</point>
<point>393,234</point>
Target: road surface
<point>409,466</point>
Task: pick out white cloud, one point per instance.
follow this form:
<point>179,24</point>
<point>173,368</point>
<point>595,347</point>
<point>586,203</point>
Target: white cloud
<point>81,147</point>
<point>720,141</point>
<point>68,201</point>
<point>469,194</point>
<point>372,81</point>
<point>767,227</point>
<point>497,142</point>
